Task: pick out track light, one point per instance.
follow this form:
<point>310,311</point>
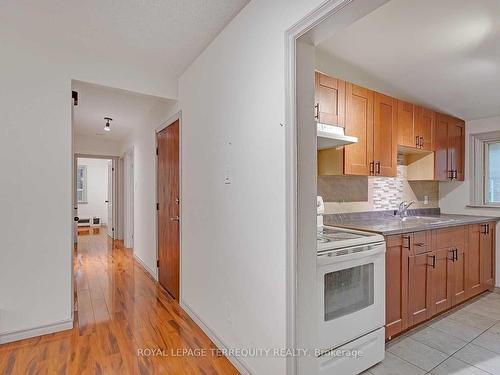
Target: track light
<point>107,127</point>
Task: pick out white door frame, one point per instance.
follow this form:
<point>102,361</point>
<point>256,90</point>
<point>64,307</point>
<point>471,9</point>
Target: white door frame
<point>116,220</point>
<point>299,281</point>
<point>128,192</point>
<point>164,125</point>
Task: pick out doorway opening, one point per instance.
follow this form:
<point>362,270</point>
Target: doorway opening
<point>96,196</point>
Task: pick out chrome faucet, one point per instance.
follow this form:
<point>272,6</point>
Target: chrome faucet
<point>403,208</point>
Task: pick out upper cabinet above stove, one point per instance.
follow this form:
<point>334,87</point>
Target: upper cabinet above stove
<point>434,144</point>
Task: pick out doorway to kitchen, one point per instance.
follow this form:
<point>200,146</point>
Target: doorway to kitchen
<point>168,207</point>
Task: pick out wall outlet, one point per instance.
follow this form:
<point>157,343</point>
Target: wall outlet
<point>426,199</point>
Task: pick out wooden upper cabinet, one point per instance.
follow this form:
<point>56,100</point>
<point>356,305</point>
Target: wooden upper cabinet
<point>449,148</point>
<point>441,170</point>
<point>456,148</point>
<point>425,127</point>
<point>359,123</point>
<point>407,134</point>
<point>385,142</point>
<point>330,100</point>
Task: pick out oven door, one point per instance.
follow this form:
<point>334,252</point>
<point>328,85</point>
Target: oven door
<point>351,294</point>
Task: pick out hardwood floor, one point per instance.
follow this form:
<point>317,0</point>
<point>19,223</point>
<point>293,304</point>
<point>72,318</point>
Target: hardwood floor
<point>125,324</point>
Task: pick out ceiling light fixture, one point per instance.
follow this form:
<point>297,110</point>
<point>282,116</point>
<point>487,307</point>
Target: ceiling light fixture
<point>107,127</point>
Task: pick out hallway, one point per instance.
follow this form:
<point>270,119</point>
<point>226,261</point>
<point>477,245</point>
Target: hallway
<point>122,312</point>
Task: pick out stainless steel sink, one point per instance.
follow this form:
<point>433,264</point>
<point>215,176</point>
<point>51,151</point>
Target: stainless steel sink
<point>425,219</point>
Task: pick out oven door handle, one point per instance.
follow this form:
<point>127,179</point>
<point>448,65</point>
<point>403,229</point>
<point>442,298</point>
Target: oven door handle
<point>326,258</point>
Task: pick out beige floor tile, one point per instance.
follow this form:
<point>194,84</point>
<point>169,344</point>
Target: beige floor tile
<point>418,354</point>
<point>480,357</point>
<point>440,340</point>
<point>489,340</point>
<point>392,365</point>
<point>461,329</point>
<point>453,366</point>
<point>472,318</point>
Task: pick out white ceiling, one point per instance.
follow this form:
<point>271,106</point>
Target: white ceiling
<point>444,54</point>
<point>162,35</point>
<point>127,109</point>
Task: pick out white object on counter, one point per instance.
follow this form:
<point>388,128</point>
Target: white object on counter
<point>320,210</point>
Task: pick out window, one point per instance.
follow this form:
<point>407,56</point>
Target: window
<point>485,165</point>
<point>81,184</point>
<point>492,173</point>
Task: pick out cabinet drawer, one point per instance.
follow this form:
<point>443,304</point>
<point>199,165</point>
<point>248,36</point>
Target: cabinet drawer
<point>449,237</point>
<point>421,242</point>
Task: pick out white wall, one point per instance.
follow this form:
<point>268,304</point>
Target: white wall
<point>36,164</point>
<point>454,196</point>
<point>97,145</point>
<point>97,189</point>
<point>234,246</point>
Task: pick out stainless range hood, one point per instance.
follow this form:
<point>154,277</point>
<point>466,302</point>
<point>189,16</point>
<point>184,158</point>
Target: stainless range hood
<point>330,136</point>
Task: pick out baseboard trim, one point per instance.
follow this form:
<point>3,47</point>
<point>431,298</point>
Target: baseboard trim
<point>236,361</point>
<point>37,331</point>
<point>148,270</point>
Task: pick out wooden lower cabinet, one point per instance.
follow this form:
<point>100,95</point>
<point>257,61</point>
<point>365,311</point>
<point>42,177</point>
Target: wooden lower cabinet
<point>441,280</point>
<point>429,272</point>
<point>396,286</point>
<point>487,255</point>
<point>419,287</point>
<point>459,275</point>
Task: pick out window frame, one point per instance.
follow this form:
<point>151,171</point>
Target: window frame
<point>478,149</point>
<point>84,183</point>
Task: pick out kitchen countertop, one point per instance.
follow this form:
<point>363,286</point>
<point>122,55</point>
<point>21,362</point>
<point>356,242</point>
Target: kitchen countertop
<point>386,223</point>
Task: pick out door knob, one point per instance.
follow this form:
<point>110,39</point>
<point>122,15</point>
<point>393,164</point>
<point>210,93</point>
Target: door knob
<point>76,218</point>
<point>175,218</point>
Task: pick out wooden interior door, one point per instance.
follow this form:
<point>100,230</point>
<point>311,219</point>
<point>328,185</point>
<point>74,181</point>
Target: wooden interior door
<point>330,100</point>
<point>396,286</point>
<point>385,142</point>
<point>487,249</point>
<point>420,273</point>
<point>441,280</point>
<point>407,135</point>
<point>359,123</point>
<point>474,271</point>
<point>441,165</point>
<point>459,275</point>
<point>426,119</point>
<point>168,208</point>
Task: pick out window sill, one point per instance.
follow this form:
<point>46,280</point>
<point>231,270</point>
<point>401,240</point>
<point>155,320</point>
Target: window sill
<point>495,207</point>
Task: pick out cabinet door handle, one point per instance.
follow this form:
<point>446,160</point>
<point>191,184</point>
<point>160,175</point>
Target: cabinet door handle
<point>377,167</point>
<point>417,141</point>
<point>433,264</point>
<point>316,115</point>
<point>372,167</point>
<point>421,142</point>
<point>455,174</point>
<point>483,230</point>
<point>456,254</point>
<point>420,244</point>
<point>487,228</point>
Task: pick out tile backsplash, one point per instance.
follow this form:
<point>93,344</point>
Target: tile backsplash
<point>360,193</point>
